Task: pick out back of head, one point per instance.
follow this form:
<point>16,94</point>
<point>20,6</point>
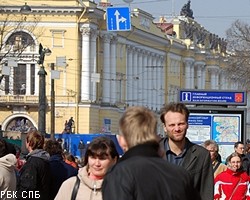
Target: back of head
<point>3,148</point>
<point>53,147</point>
<point>35,140</point>
<point>101,147</point>
<point>138,125</point>
<point>69,157</point>
<point>174,107</point>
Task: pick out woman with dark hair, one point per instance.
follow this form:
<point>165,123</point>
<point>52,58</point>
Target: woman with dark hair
<point>34,177</point>
<point>101,154</point>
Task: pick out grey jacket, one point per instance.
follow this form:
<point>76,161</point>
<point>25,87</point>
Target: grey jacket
<point>198,163</point>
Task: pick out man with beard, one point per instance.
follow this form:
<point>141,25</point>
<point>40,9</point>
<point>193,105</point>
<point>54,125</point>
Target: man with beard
<point>180,151</point>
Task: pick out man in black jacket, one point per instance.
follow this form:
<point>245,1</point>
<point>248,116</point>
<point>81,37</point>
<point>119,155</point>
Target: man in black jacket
<point>141,173</point>
<point>180,151</point>
<point>34,177</point>
<point>240,149</point>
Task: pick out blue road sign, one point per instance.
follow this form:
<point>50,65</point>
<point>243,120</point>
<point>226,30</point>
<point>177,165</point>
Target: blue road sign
<point>213,97</point>
<point>118,19</point>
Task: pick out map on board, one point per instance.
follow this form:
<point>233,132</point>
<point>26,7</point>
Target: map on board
<point>225,151</point>
<point>226,128</point>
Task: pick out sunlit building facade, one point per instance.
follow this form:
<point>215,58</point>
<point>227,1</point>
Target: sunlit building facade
<point>95,73</point>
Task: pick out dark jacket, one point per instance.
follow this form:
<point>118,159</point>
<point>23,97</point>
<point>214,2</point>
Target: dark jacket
<point>60,171</point>
<point>142,175</point>
<point>34,177</point>
<point>245,163</point>
<point>198,163</point>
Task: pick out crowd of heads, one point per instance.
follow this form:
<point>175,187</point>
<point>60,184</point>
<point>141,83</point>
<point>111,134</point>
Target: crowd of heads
<point>138,126</point>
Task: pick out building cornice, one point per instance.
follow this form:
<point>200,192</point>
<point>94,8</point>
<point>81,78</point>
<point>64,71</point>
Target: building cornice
<point>58,10</point>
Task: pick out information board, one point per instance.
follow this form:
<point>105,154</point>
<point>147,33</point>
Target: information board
<point>224,125</point>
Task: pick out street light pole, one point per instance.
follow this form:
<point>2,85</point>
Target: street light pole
<point>42,90</point>
<point>52,113</point>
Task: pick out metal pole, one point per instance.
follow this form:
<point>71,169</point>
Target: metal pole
<point>52,114</point>
<point>42,101</point>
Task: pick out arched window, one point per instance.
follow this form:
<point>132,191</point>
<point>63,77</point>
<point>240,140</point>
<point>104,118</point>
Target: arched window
<point>20,41</point>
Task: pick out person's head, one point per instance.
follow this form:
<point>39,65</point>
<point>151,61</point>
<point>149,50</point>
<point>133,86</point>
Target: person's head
<point>34,140</point>
<point>239,148</point>
<point>234,161</point>
<point>213,148</point>
<point>3,148</point>
<point>137,126</point>
<point>68,156</point>
<point>53,147</point>
<point>101,154</point>
<point>247,148</point>
<point>174,117</point>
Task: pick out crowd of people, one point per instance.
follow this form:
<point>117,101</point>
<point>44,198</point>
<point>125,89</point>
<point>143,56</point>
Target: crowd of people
<point>151,168</point>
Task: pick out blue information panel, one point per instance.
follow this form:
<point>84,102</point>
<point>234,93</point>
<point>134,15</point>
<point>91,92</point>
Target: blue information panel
<point>118,19</point>
<point>225,126</point>
<point>213,97</point>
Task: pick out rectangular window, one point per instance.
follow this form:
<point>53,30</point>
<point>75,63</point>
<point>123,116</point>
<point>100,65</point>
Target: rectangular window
<point>58,38</point>
<point>32,79</point>
<point>7,85</point>
<point>20,79</point>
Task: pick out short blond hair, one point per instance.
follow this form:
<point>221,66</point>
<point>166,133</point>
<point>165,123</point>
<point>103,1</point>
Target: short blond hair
<point>138,125</point>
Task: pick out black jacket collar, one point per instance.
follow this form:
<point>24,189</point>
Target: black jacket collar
<point>149,149</point>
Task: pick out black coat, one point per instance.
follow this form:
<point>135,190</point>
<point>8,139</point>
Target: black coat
<point>34,177</point>
<point>60,171</point>
<point>142,175</point>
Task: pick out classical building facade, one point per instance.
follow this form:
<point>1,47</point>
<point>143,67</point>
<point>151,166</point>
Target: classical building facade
<point>101,72</point>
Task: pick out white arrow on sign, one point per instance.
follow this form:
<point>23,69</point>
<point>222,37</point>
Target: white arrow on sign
<point>122,19</point>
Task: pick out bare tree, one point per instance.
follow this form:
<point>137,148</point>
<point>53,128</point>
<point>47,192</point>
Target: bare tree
<point>238,68</point>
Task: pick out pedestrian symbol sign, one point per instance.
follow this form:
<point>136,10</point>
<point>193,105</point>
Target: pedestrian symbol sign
<point>118,19</point>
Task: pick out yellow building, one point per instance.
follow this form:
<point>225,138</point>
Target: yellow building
<point>101,72</point>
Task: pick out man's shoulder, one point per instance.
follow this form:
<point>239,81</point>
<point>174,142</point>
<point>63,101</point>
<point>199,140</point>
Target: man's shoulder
<point>198,150</point>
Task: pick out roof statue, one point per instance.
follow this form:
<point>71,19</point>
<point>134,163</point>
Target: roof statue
<point>186,10</point>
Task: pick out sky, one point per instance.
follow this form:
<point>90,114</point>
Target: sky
<point>216,16</point>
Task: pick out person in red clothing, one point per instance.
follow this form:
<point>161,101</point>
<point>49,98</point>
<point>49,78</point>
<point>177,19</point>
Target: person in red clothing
<point>70,159</point>
<point>232,184</point>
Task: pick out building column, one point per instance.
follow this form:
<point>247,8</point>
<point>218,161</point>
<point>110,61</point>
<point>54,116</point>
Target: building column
<point>113,70</point>
<point>192,72</point>
<point>154,80</point>
<point>85,74</point>
<point>144,76</point>
<point>129,74</point>
<point>214,70</point>
<point>203,77</point>
<point>159,83</point>
<point>140,76</point>
<point>135,77</point>
<point>217,80</point>
<point>223,80</point>
<point>199,66</point>
<point>93,63</point>
<point>106,68</point>
<point>188,62</point>
<point>150,82</point>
